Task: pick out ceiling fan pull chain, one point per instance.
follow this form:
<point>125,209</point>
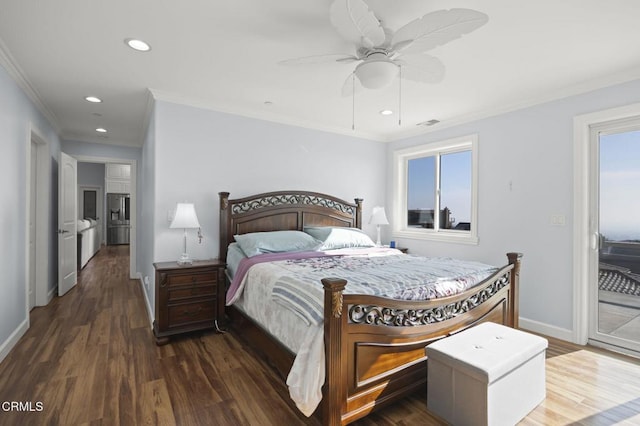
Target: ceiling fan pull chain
<point>400,95</point>
<point>353,101</point>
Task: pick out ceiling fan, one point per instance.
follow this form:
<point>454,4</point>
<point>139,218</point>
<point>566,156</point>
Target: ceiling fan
<point>382,53</point>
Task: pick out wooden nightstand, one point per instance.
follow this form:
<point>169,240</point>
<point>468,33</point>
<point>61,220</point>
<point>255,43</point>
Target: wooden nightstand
<point>188,298</point>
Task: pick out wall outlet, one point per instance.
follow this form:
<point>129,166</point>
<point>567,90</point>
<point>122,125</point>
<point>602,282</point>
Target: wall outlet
<point>558,219</point>
<point>146,283</point>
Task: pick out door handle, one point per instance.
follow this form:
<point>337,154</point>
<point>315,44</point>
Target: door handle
<point>62,231</point>
<point>597,241</point>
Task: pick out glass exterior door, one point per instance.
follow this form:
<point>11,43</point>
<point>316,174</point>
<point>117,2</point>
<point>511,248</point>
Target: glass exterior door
<point>617,241</point>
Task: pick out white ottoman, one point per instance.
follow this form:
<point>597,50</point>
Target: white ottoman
<point>486,375</point>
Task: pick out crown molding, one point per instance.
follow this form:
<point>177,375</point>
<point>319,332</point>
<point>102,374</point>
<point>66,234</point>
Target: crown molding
<point>16,73</point>
<point>272,117</point>
<point>557,94</point>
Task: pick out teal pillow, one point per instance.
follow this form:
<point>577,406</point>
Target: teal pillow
<point>256,243</point>
<point>335,237</point>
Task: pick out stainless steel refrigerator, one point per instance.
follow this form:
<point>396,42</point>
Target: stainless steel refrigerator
<point>118,218</point>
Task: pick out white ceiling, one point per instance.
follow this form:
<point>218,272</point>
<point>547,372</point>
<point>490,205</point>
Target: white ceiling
<point>224,55</point>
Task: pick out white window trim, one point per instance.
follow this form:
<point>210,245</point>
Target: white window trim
<point>400,161</point>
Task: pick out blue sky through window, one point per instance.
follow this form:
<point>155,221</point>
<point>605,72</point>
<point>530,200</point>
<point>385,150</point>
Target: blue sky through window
<point>620,186</point>
<point>455,170</point>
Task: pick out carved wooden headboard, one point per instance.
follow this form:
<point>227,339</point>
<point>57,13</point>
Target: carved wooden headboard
<point>283,210</point>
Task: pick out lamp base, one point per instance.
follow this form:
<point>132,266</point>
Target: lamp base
<point>185,260</point>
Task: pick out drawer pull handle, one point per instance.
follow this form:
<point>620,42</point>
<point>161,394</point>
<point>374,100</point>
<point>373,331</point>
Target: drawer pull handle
<point>192,313</point>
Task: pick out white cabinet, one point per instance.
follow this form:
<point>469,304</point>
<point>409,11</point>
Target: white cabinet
<point>118,171</point>
<point>118,187</point>
<point>118,178</point>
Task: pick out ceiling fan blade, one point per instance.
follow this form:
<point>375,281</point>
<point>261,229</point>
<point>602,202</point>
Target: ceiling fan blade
<point>356,23</point>
<point>435,29</point>
<point>422,68</point>
<point>320,59</point>
<point>349,88</point>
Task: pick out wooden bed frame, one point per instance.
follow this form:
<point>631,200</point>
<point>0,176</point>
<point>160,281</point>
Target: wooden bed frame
<point>375,347</point>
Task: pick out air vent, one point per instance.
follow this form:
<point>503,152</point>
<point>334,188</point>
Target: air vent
<point>428,123</point>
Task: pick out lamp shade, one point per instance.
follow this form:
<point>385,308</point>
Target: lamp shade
<point>185,217</point>
<point>378,216</point>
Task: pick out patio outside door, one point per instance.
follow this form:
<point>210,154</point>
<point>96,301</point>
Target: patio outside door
<point>615,283</point>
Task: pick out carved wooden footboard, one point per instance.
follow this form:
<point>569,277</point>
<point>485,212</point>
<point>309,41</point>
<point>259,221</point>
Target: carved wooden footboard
<point>374,346</point>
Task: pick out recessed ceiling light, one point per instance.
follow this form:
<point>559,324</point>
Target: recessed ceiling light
<point>386,112</point>
<point>268,103</point>
<point>138,45</point>
<point>93,99</point>
<point>101,130</point>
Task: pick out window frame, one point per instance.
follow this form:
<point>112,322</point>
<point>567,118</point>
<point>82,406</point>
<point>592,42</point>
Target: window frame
<point>400,180</point>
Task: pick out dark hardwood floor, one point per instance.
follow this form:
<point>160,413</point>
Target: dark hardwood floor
<point>89,358</point>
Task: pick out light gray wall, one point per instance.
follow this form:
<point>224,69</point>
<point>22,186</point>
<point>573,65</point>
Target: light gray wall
<point>17,114</point>
<point>91,174</point>
<point>90,149</point>
<point>525,176</point>
<point>199,153</point>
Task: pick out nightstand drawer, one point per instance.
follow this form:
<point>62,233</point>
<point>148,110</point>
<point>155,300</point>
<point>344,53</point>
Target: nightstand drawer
<point>193,291</point>
<point>192,278</point>
<point>185,313</point>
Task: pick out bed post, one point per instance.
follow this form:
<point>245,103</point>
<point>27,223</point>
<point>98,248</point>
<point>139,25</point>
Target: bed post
<point>224,225</point>
<point>358,212</point>
<point>333,398</point>
<point>515,259</point>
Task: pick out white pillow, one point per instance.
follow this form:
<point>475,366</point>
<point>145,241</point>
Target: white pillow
<point>336,237</point>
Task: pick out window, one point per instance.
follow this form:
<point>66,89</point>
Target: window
<point>436,191</point>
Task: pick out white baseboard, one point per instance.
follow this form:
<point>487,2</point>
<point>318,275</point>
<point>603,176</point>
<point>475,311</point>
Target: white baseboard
<point>52,293</point>
<point>7,345</point>
<point>546,329</point>
<point>146,299</point>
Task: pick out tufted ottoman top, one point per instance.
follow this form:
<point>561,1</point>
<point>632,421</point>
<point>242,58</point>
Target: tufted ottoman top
<point>487,351</point>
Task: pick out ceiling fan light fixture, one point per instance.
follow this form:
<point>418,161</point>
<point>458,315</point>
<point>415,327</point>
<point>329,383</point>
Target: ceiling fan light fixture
<point>376,72</point>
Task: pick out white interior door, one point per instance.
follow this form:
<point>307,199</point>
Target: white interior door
<point>67,223</point>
